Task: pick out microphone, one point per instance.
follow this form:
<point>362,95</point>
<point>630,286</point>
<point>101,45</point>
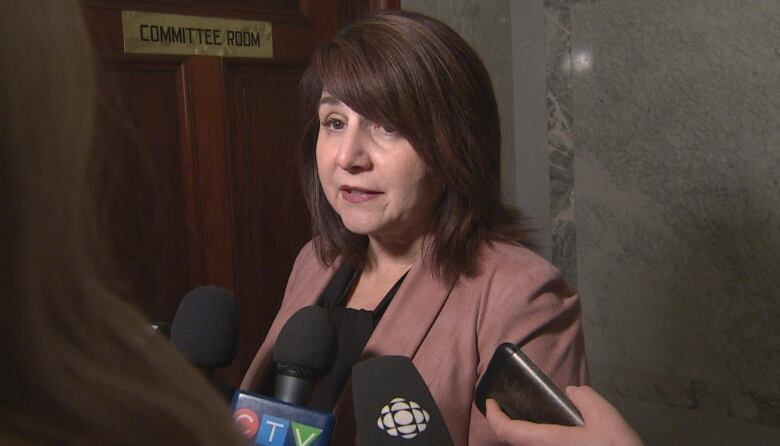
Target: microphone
<point>393,406</point>
<point>205,327</point>
<point>205,331</point>
<point>303,350</point>
<point>523,391</point>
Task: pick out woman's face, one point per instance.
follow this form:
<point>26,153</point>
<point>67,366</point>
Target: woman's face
<point>371,175</point>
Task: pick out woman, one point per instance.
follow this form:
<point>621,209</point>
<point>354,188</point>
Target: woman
<point>78,365</point>
<point>414,253</point>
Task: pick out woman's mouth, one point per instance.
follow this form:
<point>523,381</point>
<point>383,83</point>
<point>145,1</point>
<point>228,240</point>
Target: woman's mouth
<point>357,195</point>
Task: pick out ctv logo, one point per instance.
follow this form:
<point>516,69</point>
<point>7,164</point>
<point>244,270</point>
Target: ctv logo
<point>274,431</point>
<point>247,422</point>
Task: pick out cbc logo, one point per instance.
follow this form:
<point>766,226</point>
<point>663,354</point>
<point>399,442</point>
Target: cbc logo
<point>403,418</point>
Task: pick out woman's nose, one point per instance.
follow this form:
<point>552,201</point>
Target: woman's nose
<point>352,155</point>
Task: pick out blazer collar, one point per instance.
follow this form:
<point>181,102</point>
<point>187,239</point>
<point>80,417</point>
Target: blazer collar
<point>400,331</point>
<point>411,314</point>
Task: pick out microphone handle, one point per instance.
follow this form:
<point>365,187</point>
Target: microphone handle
<point>293,389</point>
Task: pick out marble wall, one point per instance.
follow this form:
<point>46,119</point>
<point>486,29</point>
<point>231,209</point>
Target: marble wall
<point>674,108</point>
<point>663,119</point>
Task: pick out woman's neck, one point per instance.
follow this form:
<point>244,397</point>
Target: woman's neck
<point>387,257</point>
<point>385,264</point>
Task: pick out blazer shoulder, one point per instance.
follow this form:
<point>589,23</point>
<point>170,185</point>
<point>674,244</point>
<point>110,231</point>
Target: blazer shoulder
<point>511,260</point>
<point>306,271</point>
<point>515,275</point>
<point>307,259</point>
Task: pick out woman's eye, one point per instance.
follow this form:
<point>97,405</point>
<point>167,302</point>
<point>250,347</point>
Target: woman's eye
<point>389,129</point>
<point>334,123</point>
<point>386,130</point>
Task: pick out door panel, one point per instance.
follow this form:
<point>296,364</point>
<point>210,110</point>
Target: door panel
<point>265,189</point>
<point>207,190</point>
<point>141,182</point>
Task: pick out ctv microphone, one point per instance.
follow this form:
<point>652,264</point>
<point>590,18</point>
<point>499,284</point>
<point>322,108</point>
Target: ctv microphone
<point>205,331</point>
<point>523,391</point>
<point>393,406</point>
<point>303,350</point>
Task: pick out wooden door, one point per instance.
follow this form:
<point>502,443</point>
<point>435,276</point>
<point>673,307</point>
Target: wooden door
<point>201,184</point>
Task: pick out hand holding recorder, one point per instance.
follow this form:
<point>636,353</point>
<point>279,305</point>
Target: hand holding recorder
<point>603,424</point>
<point>538,413</point>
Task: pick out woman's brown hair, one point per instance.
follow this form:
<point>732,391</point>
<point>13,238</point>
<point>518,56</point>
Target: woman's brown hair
<point>417,75</point>
<point>79,365</point>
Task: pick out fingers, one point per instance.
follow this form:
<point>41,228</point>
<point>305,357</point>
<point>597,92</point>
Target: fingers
<point>524,433</point>
<point>602,419</point>
<point>506,429</point>
<point>494,413</point>
<point>590,403</point>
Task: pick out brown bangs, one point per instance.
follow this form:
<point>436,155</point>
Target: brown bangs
<point>417,75</point>
<point>356,69</point>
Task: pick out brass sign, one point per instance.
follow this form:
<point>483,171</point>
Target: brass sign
<point>153,33</point>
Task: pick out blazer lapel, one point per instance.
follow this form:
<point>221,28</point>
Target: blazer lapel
<point>411,314</point>
<point>400,332</point>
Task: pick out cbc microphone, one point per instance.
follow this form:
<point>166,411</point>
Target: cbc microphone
<point>205,331</point>
<point>393,406</point>
<point>303,350</point>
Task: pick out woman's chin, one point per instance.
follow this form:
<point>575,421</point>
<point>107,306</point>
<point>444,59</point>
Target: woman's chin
<point>360,227</point>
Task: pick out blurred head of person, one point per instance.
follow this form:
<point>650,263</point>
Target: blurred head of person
<point>79,365</point>
<point>402,141</point>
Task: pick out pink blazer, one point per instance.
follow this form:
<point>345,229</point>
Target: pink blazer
<point>450,330</point>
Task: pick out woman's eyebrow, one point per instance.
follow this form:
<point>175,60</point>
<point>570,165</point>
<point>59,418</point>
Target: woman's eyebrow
<point>329,100</point>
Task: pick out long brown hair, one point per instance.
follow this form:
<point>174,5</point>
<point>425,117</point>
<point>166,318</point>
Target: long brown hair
<point>415,73</point>
<point>78,364</point>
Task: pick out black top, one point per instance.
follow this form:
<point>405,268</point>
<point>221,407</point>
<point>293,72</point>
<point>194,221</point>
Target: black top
<point>354,328</point>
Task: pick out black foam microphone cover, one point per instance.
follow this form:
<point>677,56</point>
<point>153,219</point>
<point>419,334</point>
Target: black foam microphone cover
<point>393,406</point>
<point>304,349</point>
<point>307,340</point>
<point>205,327</point>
